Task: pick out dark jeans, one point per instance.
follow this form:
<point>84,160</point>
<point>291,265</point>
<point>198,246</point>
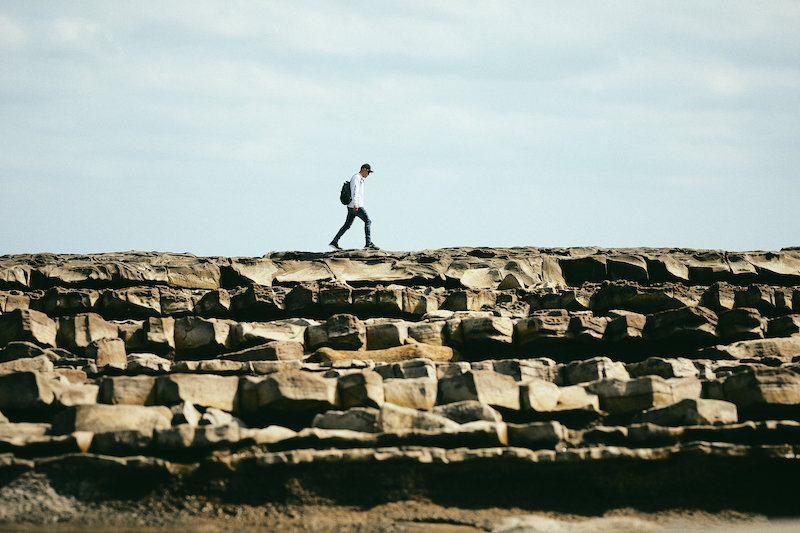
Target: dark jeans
<point>351,215</point>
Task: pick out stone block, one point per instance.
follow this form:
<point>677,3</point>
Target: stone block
<point>40,363</point>
<point>695,325</point>
<point>620,396</point>
<point>783,348</point>
<point>539,395</point>
<point>148,363</point>
<point>525,369</point>
<point>58,301</point>
<point>202,336</point>
<point>101,418</point>
<point>398,353</point>
<point>257,302</point>
<point>177,302</point>
<point>363,419</point>
<point>214,304</point>
<point>587,328</point>
<point>217,417</point>
<point>593,369</point>
<point>691,412</point>
<point>129,390</point>
<point>395,418</point>
<point>487,387</point>
<point>269,351</point>
<point>719,297</point>
<point>577,270</point>
<point>742,323</point>
<point>432,333</point>
<point>759,297</point>
<point>77,332</point>
<point>187,437</point>
<point>133,302</point>
<point>27,325</point>
<point>627,267</point>
<point>784,326</point>
<point>414,393</point>
<point>108,352</point>
<point>297,391</point>
<point>666,368</point>
<point>23,349</point>
<point>198,389</point>
<point>469,300</point>
<point>340,332</point>
<point>25,390</point>
<point>577,398</point>
<point>624,326</point>
<point>542,326</point>
<point>467,411</point>
<point>361,389</point>
<point>492,331</point>
<point>185,413</point>
<point>536,435</point>
<point>762,386</point>
<point>159,335</point>
<point>386,334</point>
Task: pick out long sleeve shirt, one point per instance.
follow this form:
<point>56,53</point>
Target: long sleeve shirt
<point>356,191</point>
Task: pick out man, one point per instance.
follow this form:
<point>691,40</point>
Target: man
<point>356,208</point>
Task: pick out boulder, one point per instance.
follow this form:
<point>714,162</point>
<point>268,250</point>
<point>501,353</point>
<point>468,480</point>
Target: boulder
<point>536,434</point>
<point>363,419</point>
<point>467,411</point>
<point>414,393</point>
<point>691,412</point>
<point>624,326</point>
<point>27,325</point>
<point>108,352</point>
<point>248,334</point>
<point>129,390</point>
<point>719,297</point>
<point>593,369</point>
<point>428,332</point>
<point>23,349</point>
<point>762,386</point>
<point>587,328</point>
<point>398,353</point>
<point>216,417</point>
<point>394,418</point>
<point>40,363</point>
<point>483,332</point>
<point>525,369</point>
<point>666,368</point>
<point>177,302</point>
<point>159,335</point>
<point>739,324</point>
<point>202,336</point>
<point>100,418</point>
<point>620,396</point>
<point>148,363</point>
<point>361,389</point>
<point>198,389</point>
<point>77,332</point>
<point>269,351</point>
<point>695,325</point>
<point>386,334</point>
<point>543,326</point>
<point>26,390</point>
<point>538,395</point>
<point>486,387</point>
<point>784,326</point>
<point>577,398</point>
<point>214,304</point>
<point>340,332</point>
<point>296,391</point>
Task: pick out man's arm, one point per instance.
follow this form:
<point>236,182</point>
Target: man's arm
<point>355,190</point>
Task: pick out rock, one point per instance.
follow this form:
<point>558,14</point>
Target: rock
<point>543,326</point>
<point>148,363</point>
<point>695,325</point>
<point>398,353</point>
<point>27,325</point>
<point>186,437</point>
<point>666,368</point>
<point>216,417</point>
<point>578,270</point>
<point>577,398</point>
<point>214,304</point>
<point>177,302</point>
<point>691,412</point>
<point>411,368</point>
<point>526,369</point>
<point>40,363</point>
<point>784,348</point>
<point>58,301</point>
<point>428,332</point>
<point>249,334</point>
<point>101,418</point>
<point>269,351</point>
<point>122,443</point>
<point>742,323</point>
<point>25,390</point>
<point>469,300</point>
<point>761,387</point>
<point>758,297</point>
<point>341,332</point>
<point>620,396</point>
<point>626,326</point>
<point>363,419</point>
<point>296,391</point>
<point>536,435</point>
<point>159,333</point>
<point>394,418</point>
<point>108,352</point>
<point>386,334</point>
<point>593,369</point>
<point>23,349</point>
<point>77,332</point>
<point>467,411</point>
<point>486,387</point>
<point>362,389</point>
<point>586,328</point>
<point>487,332</point>
<point>414,393</point>
<point>784,326</point>
<point>719,297</point>
<point>199,389</point>
<point>201,336</point>
<point>130,302</point>
<point>185,413</point>
<point>627,267</point>
<point>129,390</point>
<point>196,276</point>
<point>538,395</point>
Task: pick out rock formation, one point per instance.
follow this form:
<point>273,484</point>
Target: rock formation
<point>559,379</point>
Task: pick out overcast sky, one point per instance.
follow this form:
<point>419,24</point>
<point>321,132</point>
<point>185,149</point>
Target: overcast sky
<point>228,127</point>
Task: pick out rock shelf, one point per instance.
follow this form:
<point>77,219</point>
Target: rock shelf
<point>660,377</point>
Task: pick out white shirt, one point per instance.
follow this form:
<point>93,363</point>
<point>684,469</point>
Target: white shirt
<point>356,191</point>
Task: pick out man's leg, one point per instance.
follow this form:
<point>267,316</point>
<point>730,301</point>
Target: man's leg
<point>351,215</point>
<point>362,214</point>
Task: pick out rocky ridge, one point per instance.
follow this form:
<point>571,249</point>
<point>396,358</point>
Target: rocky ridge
<point>657,377</point>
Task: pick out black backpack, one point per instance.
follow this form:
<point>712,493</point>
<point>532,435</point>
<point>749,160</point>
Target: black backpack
<point>345,197</point>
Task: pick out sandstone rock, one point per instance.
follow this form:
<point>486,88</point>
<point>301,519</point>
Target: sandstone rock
<point>627,267</point>
<point>257,302</point>
<point>129,390</point>
<point>432,333</point>
<point>248,334</point>
<point>363,419</point>
<point>666,368</point>
<point>784,348</point>
<point>593,369</point>
<point>253,270</point>
<point>414,393</point>
<point>577,270</point>
<point>386,301</point>
<point>525,369</point>
<point>68,394</point>
<point>620,396</point>
<point>269,351</point>
<point>577,398</point>
<point>216,417</point>
<point>483,332</point>
<point>59,301</point>
<point>199,389</point>
<point>585,328</point>
<point>25,390</point>
<point>762,387</point>
<point>214,304</point>
<point>624,326</point>
<point>296,391</point>
<point>159,333</point>
<point>130,302</point>
<point>186,437</point>
<point>342,332</point>
<point>784,326</point>
<point>691,411</point>
<point>23,349</point>
<point>386,334</point>
<point>109,352</point>
<point>202,336</point>
<point>469,300</point>
<point>196,276</point>
<point>185,413</point>
<point>395,418</point>
<point>538,395</point>
<point>398,353</point>
<point>484,386</point>
<point>27,325</point>
<point>719,297</point>
<point>536,434</point>
<point>121,443</point>
<point>335,297</point>
<point>742,323</point>
<point>688,324</point>
<point>543,326</point>
<point>101,418</point>
<point>362,389</point>
<point>467,411</point>
<point>177,302</point>
<point>40,363</point>
<point>759,297</point>
<point>77,332</point>
<point>148,363</point>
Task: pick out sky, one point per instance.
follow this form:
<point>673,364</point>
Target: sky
<point>227,127</point>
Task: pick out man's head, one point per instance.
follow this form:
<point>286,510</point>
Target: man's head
<point>366,170</point>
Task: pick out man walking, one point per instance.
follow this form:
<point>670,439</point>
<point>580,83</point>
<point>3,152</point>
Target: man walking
<point>356,209</point>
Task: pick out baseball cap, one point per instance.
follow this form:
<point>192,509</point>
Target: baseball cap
<point>366,167</point>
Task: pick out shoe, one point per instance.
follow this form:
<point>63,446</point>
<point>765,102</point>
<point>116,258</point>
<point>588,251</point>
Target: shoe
<point>335,246</point>
<point>371,246</point>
